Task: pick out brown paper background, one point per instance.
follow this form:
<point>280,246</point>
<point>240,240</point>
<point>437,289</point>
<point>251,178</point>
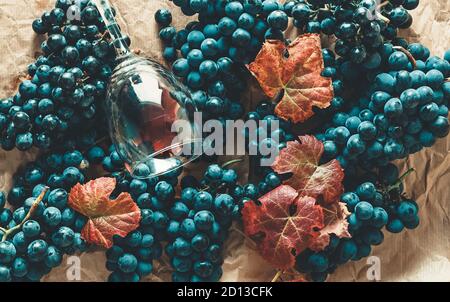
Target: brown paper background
<point>419,255</point>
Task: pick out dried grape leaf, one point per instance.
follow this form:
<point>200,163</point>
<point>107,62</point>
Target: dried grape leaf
<point>302,158</point>
<point>106,217</point>
<point>282,225</point>
<point>335,220</point>
<point>296,71</point>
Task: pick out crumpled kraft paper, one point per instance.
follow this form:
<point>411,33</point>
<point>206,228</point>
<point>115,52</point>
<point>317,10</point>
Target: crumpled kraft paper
<point>419,255</point>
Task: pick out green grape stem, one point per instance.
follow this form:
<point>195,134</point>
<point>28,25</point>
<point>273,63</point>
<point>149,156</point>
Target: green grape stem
<point>103,36</point>
<point>232,162</point>
<point>85,79</point>
<point>7,233</point>
<point>385,19</point>
<point>225,165</point>
<point>277,276</point>
<point>400,179</point>
<point>408,54</point>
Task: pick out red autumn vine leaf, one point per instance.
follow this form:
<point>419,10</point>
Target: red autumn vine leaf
<point>301,158</point>
<point>335,220</point>
<point>295,70</point>
<point>106,217</point>
<point>282,225</point>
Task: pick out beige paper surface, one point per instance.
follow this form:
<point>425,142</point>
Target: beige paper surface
<point>419,255</point>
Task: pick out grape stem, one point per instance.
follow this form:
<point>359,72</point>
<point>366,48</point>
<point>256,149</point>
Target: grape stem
<point>400,179</point>
<point>379,7</point>
<point>232,162</point>
<point>380,16</point>
<point>291,273</point>
<point>85,79</point>
<point>277,276</point>
<point>34,206</point>
<point>447,80</point>
<point>102,37</point>
<point>408,54</point>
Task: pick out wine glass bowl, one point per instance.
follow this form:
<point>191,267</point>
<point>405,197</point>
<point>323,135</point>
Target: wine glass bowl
<point>145,105</point>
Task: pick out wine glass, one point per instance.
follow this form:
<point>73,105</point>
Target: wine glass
<point>150,113</point>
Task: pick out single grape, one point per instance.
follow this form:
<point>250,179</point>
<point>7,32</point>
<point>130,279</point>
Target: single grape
<point>163,17</point>
<point>364,210</point>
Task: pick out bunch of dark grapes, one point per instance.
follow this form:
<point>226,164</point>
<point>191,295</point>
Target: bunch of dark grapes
<point>59,101</point>
<point>131,258</point>
<point>198,223</point>
<point>404,109</point>
<point>53,228</point>
<point>66,84</point>
<point>374,205</point>
<point>361,27</point>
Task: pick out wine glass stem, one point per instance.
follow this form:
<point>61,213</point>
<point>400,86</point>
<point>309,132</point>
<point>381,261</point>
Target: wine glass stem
<point>118,38</point>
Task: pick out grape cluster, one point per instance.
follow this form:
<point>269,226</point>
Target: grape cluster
<point>214,49</point>
<point>400,107</point>
<point>195,225</point>
<point>405,109</point>
<point>373,205</point>
<point>63,93</point>
<point>53,228</point>
<point>361,27</point>
<point>64,86</point>
<point>198,223</point>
